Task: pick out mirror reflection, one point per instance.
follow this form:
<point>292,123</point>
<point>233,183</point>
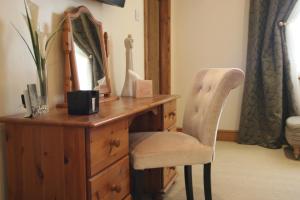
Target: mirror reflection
<point>88,52</point>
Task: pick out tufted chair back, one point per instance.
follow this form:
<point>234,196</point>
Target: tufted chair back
<point>205,102</point>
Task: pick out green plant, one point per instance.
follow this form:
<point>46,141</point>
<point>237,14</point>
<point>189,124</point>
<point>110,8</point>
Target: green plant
<point>38,51</point>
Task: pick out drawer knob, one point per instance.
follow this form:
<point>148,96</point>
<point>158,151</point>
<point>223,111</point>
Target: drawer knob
<point>115,143</point>
<point>172,114</point>
<point>116,188</point>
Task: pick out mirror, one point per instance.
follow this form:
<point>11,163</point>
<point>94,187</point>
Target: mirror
<point>85,53</point>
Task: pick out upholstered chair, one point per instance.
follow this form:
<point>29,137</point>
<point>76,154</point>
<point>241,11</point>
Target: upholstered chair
<point>196,144</point>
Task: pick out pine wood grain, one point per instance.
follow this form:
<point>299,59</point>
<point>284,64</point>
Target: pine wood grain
<point>112,183</point>
<point>157,32</point>
<point>224,135</point>
<point>107,144</point>
<point>151,40</point>
<point>109,112</point>
<point>54,155</point>
<point>165,46</point>
<point>75,162</point>
<point>37,167</point>
<point>227,135</point>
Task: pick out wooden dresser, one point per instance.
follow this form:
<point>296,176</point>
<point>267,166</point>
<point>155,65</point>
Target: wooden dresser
<point>63,157</point>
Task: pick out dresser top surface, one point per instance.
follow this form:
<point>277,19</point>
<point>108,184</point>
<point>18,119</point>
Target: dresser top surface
<point>109,111</point>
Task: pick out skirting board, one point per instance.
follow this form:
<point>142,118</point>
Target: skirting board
<point>223,135</point>
<point>227,135</point>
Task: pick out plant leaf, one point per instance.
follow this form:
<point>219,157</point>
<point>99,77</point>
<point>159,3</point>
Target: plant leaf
<point>33,10</point>
<point>25,43</point>
<point>37,50</point>
<point>33,40</point>
<point>50,38</point>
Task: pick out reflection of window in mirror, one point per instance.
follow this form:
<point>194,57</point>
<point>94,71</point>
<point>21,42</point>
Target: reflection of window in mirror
<point>293,39</point>
<point>84,69</point>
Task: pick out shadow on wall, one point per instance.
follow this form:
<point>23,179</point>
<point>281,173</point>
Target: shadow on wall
<point>56,63</point>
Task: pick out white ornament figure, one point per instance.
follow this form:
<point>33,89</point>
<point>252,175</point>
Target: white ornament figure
<point>131,76</point>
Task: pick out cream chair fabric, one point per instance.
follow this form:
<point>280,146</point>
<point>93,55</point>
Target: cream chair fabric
<point>196,144</point>
<point>167,149</point>
<point>292,133</point>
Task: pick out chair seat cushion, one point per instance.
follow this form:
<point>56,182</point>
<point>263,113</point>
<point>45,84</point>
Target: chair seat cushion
<point>293,123</point>
<point>166,149</point>
<point>292,136</point>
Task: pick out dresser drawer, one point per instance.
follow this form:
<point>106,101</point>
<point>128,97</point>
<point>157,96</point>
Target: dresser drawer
<point>106,145</point>
<point>111,184</point>
<point>169,113</point>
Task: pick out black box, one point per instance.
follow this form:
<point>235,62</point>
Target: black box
<point>83,102</point>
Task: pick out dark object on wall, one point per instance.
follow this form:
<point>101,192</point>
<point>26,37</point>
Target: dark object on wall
<point>119,3</point>
<point>83,102</point>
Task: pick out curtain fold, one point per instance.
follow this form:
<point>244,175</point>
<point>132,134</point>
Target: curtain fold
<point>86,36</point>
<point>268,98</point>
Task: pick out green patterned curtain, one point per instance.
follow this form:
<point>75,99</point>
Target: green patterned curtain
<point>86,36</point>
<point>267,100</point>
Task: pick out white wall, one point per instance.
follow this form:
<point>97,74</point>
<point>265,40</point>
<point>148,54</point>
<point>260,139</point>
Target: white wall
<point>17,68</point>
<point>209,33</point>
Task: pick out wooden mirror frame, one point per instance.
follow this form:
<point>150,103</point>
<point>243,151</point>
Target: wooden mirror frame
<point>71,78</point>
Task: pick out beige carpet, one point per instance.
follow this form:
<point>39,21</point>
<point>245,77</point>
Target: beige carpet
<point>242,172</point>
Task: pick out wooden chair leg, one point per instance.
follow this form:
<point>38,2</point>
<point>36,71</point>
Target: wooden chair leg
<point>207,181</point>
<point>138,184</point>
<point>188,182</point>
